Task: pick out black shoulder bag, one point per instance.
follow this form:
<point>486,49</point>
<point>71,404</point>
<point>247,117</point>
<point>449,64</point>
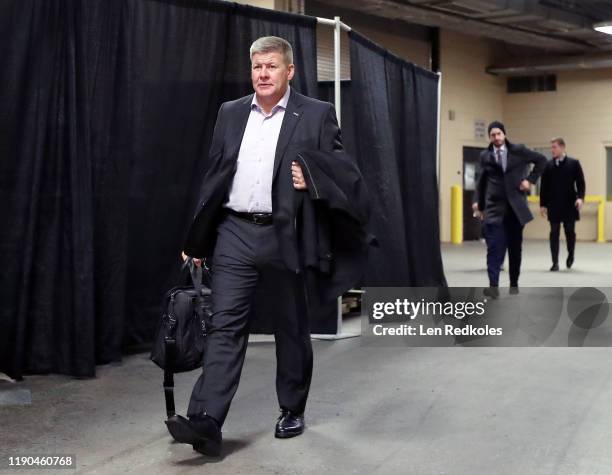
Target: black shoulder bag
<point>179,344</point>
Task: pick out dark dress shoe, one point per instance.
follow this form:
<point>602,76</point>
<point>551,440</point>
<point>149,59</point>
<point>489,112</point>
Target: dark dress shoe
<point>554,268</point>
<point>514,290</point>
<point>289,425</point>
<point>203,433</point>
<point>569,261</point>
<point>492,292</point>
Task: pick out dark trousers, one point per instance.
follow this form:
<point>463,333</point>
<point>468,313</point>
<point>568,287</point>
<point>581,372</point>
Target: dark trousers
<point>570,237</point>
<point>500,236</point>
<point>246,255</point>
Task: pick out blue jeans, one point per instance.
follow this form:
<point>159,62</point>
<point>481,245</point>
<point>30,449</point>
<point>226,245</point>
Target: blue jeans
<point>500,236</point>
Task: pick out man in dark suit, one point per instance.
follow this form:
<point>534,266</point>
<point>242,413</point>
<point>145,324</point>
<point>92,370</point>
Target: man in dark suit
<point>246,221</point>
<point>561,199</point>
<point>501,201</point>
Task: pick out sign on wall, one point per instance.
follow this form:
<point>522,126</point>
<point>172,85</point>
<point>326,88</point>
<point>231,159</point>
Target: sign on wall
<point>480,129</point>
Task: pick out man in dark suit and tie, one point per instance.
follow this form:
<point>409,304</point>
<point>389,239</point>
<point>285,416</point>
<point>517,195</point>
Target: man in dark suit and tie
<point>561,199</point>
<point>246,221</point>
<point>501,201</point>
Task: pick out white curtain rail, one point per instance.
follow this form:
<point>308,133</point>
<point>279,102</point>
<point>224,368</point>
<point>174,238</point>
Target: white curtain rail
<point>330,22</point>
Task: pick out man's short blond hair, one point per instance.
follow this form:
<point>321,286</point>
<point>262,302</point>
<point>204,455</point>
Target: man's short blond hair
<point>267,44</point>
<point>558,141</point>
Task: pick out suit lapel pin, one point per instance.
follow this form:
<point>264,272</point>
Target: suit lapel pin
<point>296,114</point>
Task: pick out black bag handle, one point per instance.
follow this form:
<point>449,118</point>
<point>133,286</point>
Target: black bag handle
<point>196,276</point>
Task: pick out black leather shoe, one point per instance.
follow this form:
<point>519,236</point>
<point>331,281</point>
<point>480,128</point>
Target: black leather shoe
<point>569,261</point>
<point>514,290</point>
<point>492,292</point>
<point>289,425</point>
<point>203,433</point>
<point>554,268</point>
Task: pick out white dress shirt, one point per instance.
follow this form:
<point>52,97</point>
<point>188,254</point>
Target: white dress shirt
<point>558,161</point>
<point>251,189</point>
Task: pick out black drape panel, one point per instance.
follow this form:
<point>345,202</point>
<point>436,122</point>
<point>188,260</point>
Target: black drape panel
<point>106,112</point>
<point>47,287</point>
<point>178,63</point>
<point>393,105</point>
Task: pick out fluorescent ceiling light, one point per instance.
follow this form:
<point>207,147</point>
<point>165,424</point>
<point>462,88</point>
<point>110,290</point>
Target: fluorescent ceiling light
<point>604,27</point>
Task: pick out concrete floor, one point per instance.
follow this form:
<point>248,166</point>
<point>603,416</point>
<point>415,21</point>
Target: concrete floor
<point>465,265</point>
<point>371,410</point>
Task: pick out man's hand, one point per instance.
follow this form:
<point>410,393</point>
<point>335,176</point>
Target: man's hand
<point>579,204</point>
<point>476,213</point>
<point>298,177</point>
<point>525,185</point>
<point>197,262</point>
<point>543,211</point>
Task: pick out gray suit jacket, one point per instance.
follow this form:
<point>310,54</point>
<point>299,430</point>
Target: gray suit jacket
<point>308,124</point>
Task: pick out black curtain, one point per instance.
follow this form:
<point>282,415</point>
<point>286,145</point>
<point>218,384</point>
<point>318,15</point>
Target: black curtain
<point>389,121</point>
<point>106,112</point>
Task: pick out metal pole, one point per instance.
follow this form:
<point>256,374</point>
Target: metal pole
<point>337,65</point>
<point>438,128</point>
<point>337,99</point>
<point>327,21</point>
<point>338,27</point>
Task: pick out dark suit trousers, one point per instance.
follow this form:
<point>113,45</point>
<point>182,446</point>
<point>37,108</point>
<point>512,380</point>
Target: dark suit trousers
<point>500,236</point>
<point>570,236</point>
<point>245,255</point>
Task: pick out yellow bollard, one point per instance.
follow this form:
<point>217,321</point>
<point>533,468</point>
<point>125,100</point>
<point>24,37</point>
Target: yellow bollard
<point>456,214</point>
<point>601,213</point>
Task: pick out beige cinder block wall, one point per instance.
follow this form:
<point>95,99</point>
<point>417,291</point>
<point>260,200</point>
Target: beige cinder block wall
<point>471,94</point>
<point>270,4</point>
<point>410,49</point>
<point>580,111</point>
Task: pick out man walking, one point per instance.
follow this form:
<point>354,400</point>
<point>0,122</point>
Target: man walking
<point>501,201</point>
<point>248,221</point>
<point>561,199</point>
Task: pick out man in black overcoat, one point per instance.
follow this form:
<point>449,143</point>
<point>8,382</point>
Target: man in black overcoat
<point>561,199</point>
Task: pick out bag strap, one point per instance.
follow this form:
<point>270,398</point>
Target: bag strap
<point>170,344</point>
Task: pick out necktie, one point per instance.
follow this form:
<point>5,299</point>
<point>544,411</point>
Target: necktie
<point>500,159</point>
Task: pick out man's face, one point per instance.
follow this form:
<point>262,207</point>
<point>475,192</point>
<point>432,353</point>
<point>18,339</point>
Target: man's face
<point>497,137</point>
<point>557,149</point>
<point>270,75</point>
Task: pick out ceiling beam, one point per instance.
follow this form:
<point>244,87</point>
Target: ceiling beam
<point>424,13</point>
<point>551,64</point>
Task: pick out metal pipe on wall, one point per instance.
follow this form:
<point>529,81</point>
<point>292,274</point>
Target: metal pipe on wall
<point>337,65</point>
<point>338,27</point>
